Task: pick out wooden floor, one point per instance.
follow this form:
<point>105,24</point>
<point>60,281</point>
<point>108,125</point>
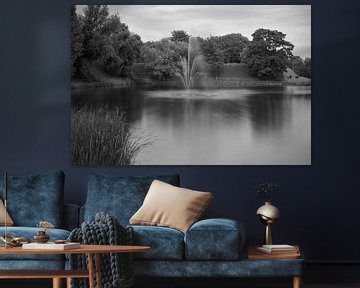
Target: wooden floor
<point>339,285</point>
<point>45,283</point>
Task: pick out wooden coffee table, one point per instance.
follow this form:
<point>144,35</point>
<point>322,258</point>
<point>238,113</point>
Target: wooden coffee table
<point>92,251</point>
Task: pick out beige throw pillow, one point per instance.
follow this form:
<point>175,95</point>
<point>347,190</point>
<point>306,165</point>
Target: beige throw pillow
<point>170,206</point>
<point>10,222</point>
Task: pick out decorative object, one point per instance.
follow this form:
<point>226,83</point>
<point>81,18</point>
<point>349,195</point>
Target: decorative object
<point>41,236</point>
<point>11,241</point>
<point>204,99</point>
<point>60,241</point>
<point>45,225</point>
<point>170,206</point>
<point>268,213</point>
<point>264,189</point>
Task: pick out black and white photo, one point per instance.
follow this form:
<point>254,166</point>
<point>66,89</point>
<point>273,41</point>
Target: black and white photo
<point>191,85</point>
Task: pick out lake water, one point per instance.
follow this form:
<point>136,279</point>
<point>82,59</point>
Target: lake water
<point>247,126</point>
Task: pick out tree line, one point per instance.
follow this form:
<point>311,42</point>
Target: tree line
<point>102,40</point>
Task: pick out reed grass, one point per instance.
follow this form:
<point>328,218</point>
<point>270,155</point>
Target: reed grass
<point>101,136</point>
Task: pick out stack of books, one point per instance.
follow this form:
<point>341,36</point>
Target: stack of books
<point>273,252</point>
<point>278,249</point>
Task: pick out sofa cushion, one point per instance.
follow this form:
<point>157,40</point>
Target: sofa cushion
<point>9,221</point>
<point>29,232</point>
<point>214,239</point>
<point>35,198</point>
<point>165,243</point>
<point>119,196</point>
<point>169,206</point>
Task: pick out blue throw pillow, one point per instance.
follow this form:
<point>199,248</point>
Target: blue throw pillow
<point>120,196</point>
<point>35,198</point>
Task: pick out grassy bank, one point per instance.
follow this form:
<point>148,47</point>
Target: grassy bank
<point>100,79</point>
<point>241,83</point>
<point>102,137</point>
<point>77,84</point>
<point>231,75</point>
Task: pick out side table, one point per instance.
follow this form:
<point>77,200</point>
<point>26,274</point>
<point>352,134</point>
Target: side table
<point>92,251</point>
<point>289,259</point>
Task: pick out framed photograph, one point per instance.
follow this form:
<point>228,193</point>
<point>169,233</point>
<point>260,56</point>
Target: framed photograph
<point>191,85</point>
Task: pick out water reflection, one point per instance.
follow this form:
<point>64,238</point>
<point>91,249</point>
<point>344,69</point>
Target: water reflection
<point>269,125</point>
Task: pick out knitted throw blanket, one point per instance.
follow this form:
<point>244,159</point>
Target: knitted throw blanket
<point>116,268</point>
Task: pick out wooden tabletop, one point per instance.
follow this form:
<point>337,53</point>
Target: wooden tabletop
<point>92,249</point>
<point>254,254</point>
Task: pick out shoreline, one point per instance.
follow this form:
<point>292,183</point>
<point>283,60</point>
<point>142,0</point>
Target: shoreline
<point>219,83</point>
<point>85,85</point>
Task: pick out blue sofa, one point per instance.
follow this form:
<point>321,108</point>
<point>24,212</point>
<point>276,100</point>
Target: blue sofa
<point>210,248</point>
<point>32,199</point>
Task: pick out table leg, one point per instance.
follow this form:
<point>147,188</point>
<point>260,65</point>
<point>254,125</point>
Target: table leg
<point>91,270</point>
<point>57,283</point>
<point>98,270</point>
<point>297,282</point>
<point>68,282</point>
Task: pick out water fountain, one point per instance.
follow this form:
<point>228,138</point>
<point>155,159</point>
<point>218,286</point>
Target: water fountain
<point>188,73</point>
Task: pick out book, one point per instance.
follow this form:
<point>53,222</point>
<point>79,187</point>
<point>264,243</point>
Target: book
<point>255,254</point>
<point>278,249</point>
<point>51,246</point>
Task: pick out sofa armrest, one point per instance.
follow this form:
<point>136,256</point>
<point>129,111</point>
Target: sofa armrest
<point>71,216</point>
<point>215,239</point>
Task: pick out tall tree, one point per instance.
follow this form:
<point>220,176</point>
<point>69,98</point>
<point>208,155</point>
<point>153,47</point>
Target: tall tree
<point>308,65</point>
<point>179,36</point>
<point>105,41</point>
<point>299,67</point>
<point>231,46</point>
<point>268,54</point>
<point>212,52</point>
<point>94,21</point>
<point>161,59</point>
<point>119,47</point>
<point>76,41</point>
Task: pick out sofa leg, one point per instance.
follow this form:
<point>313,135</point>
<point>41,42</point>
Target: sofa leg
<point>57,283</point>
<point>297,282</point>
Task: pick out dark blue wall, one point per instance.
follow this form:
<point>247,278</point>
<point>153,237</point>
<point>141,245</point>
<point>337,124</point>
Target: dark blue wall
<point>318,202</point>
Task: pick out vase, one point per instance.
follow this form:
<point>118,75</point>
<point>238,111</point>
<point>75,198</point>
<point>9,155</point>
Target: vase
<point>268,214</point>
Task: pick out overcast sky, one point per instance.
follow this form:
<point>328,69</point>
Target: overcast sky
<point>154,22</point>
